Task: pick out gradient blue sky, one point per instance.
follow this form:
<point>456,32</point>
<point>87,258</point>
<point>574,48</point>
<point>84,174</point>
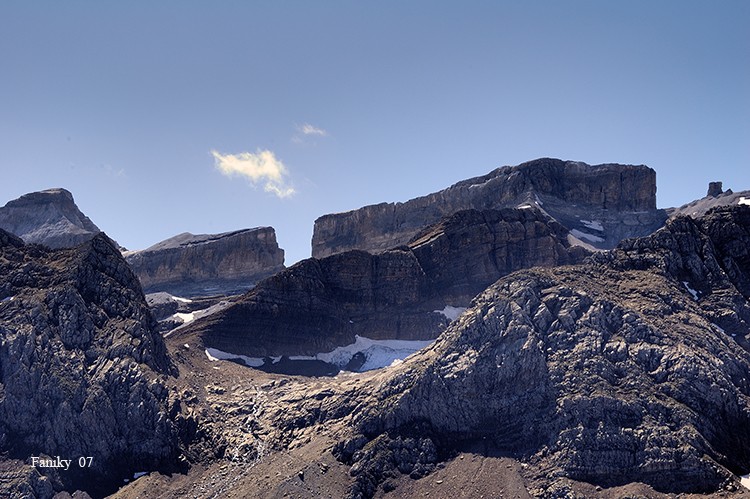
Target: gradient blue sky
<point>129,104</point>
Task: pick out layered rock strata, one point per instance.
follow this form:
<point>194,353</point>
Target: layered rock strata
<point>48,217</point>
<point>630,368</point>
<point>618,200</point>
<point>319,304</point>
<point>210,264</point>
<point>83,372</point>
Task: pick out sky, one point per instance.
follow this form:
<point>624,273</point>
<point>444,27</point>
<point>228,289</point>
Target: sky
<point>205,117</point>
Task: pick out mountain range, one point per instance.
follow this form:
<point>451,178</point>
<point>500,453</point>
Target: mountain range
<point>541,331</point>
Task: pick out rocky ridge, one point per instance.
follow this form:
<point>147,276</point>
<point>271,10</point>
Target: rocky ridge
<point>208,264</point>
<point>82,370</point>
<point>602,204</point>
<point>715,197</point>
<point>632,367</point>
<point>48,217</point>
<point>320,304</point>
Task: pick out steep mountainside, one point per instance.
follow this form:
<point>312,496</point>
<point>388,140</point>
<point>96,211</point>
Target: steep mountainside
<point>48,217</point>
<point>320,304</point>
<point>208,264</point>
<point>82,371</point>
<point>630,368</point>
<point>600,204</point>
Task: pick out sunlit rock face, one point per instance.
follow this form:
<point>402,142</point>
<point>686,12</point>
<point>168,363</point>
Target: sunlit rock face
<point>619,201</point>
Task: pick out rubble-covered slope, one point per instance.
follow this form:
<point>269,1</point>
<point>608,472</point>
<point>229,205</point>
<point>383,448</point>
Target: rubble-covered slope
<point>632,367</point>
<point>83,372</point>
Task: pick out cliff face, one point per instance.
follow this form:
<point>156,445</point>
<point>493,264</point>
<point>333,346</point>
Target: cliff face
<point>48,217</point>
<point>566,190</point>
<point>320,304</point>
<point>82,370</point>
<point>629,368</point>
<point>190,265</point>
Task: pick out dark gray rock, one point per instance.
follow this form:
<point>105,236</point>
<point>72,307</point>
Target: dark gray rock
<point>621,199</point>
<point>208,264</point>
<point>82,370</point>
<point>632,367</point>
<point>319,304</point>
<point>48,217</point>
<point>714,189</point>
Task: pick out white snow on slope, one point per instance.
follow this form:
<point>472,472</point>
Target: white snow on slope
<point>745,481</point>
<point>744,200</point>
<point>214,354</point>
<point>451,312</point>
<point>690,290</point>
<point>186,317</point>
<point>378,353</point>
<point>585,235</point>
<point>593,224</point>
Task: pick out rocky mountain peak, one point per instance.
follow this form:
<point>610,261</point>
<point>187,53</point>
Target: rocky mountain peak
<point>602,203</point>
<point>82,368</point>
<point>48,217</point>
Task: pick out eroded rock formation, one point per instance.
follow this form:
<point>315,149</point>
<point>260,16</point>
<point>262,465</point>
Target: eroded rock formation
<point>630,368</point>
<point>209,264</point>
<point>618,201</point>
<point>48,217</point>
<point>82,370</point>
<point>319,304</point>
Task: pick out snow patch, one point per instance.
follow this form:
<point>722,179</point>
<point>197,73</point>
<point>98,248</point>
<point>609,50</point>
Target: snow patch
<point>744,200</point>
<point>7,298</point>
<point>451,312</point>
<point>593,224</point>
<point>214,354</point>
<point>585,235</point>
<point>185,317</point>
<point>537,200</point>
<point>180,299</point>
<point>745,481</point>
<point>525,206</point>
<point>690,290</point>
<point>378,353</point>
<point>139,474</point>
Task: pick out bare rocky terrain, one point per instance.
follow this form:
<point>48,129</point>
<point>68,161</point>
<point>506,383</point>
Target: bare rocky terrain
<point>617,373</point>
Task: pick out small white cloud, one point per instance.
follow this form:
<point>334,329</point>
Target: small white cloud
<point>260,167</point>
<point>308,129</point>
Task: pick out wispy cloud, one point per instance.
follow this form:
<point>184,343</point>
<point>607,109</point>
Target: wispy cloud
<point>261,167</point>
<point>308,129</point>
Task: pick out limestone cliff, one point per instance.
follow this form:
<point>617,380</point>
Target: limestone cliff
<point>209,264</point>
<point>319,304</point>
<point>48,217</point>
<point>618,201</point>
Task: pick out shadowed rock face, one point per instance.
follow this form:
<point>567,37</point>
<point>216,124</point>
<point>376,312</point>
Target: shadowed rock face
<point>632,367</point>
<point>48,217</point>
<point>621,197</point>
<point>82,370</point>
<point>319,304</point>
<point>209,264</point>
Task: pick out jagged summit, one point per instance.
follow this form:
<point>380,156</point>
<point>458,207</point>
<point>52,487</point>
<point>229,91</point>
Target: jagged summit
<point>49,217</point>
<point>599,204</point>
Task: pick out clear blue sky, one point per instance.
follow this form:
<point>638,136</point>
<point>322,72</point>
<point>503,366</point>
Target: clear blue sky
<point>174,116</point>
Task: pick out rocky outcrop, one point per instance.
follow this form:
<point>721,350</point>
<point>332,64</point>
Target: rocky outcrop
<point>715,198</point>
<point>319,304</point>
<point>48,217</point>
<point>618,201</point>
<point>629,368</point>
<point>208,264</point>
<point>82,371</point>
